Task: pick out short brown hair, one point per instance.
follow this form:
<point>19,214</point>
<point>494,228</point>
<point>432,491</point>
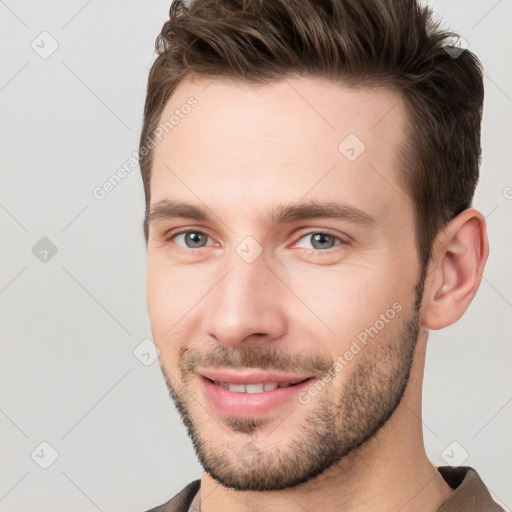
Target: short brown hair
<point>367,43</point>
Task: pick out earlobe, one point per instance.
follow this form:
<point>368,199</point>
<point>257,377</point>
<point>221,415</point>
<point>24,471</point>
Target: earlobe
<point>459,258</point>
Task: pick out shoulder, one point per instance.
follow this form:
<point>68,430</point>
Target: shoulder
<point>181,501</point>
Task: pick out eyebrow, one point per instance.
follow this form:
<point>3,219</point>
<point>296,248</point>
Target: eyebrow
<point>285,213</point>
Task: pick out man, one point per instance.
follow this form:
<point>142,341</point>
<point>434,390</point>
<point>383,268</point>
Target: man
<point>309,168</point>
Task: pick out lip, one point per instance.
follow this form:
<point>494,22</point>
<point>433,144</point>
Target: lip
<point>249,405</point>
<point>252,377</point>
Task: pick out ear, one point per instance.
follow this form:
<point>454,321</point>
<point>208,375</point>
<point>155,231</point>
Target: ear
<point>458,260</point>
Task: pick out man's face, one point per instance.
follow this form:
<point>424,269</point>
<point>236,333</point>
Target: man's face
<point>269,279</point>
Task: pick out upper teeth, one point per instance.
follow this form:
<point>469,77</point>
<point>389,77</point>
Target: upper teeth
<point>253,388</point>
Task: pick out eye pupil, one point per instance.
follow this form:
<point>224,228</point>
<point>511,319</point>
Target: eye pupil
<point>320,239</point>
<point>195,239</point>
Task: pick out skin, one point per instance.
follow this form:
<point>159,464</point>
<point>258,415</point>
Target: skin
<point>238,154</point>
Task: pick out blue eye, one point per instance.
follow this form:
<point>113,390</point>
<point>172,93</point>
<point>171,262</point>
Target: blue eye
<point>319,241</point>
<point>191,239</point>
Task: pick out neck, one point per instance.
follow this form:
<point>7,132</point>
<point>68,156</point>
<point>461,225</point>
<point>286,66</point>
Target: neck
<point>388,473</point>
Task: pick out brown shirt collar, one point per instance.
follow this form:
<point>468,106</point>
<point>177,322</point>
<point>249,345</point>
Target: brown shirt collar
<point>470,494</point>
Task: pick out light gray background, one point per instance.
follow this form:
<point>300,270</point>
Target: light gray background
<point>69,326</point>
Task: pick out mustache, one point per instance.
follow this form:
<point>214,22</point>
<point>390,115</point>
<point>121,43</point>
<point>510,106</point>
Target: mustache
<point>260,357</point>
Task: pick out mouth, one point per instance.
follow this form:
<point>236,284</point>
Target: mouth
<point>250,395</point>
<point>259,387</point>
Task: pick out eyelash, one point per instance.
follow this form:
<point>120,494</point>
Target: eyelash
<point>336,247</point>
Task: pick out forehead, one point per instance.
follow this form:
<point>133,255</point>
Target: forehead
<point>234,142</point>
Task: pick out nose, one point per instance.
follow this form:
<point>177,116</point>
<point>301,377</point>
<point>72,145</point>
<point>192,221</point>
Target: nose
<point>246,304</point>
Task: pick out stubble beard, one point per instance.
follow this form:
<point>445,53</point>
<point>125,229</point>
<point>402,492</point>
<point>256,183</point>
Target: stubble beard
<point>341,422</point>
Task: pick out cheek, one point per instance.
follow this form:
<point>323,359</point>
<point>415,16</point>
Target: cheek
<point>342,302</point>
<point>163,296</point>
<point>172,293</point>
<point>163,304</point>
